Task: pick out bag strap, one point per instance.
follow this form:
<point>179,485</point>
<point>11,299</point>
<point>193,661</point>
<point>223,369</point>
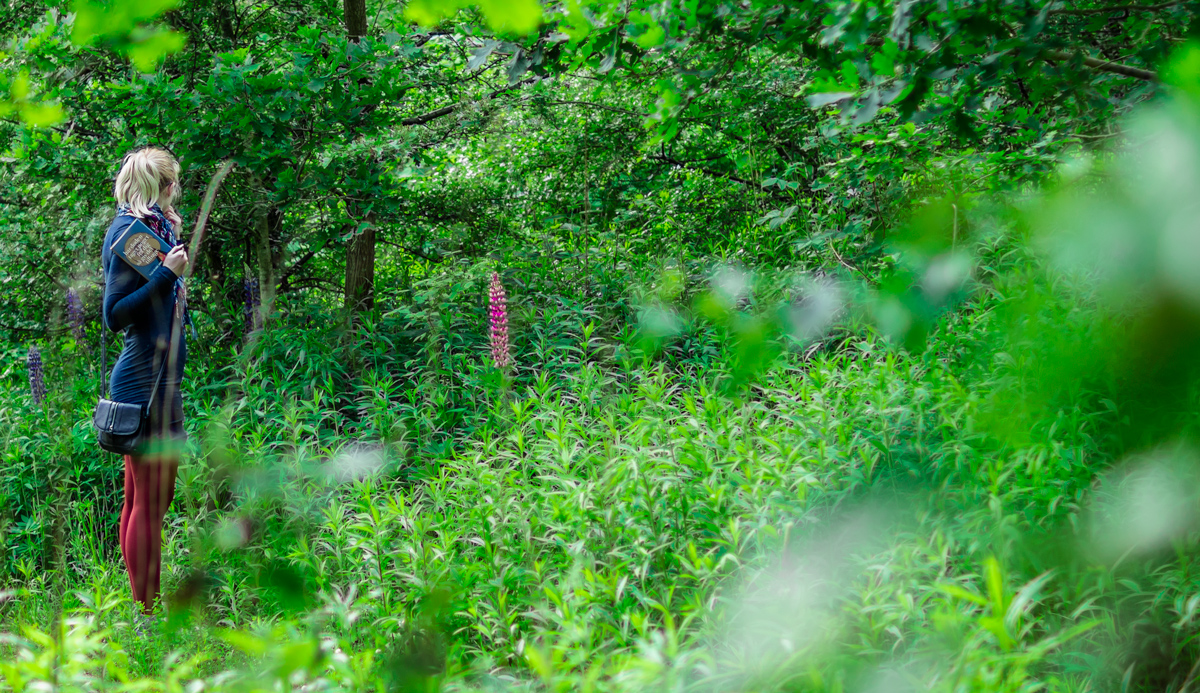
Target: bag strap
<point>158,380</point>
<point>104,370</point>
<point>103,359</point>
<point>104,366</point>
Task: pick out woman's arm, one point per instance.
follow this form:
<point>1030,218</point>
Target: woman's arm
<point>124,303</point>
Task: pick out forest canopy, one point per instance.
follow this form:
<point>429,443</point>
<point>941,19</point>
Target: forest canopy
<point>359,139</point>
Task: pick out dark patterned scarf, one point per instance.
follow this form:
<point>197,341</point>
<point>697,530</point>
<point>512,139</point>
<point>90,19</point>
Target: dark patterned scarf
<point>158,223</point>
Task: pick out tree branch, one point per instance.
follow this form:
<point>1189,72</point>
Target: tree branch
<point>1119,8</point>
<point>412,251</point>
<point>33,265</point>
<point>73,127</point>
<point>426,38</point>
<point>317,283</point>
<point>24,330</point>
<point>1094,63</point>
<point>1104,65</point>
<point>205,210</point>
<point>589,104</point>
<point>447,110</point>
<point>702,169</point>
<point>285,281</point>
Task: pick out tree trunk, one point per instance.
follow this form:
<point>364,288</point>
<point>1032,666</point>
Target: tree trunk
<point>356,18</point>
<point>360,270</point>
<point>266,261</point>
<point>360,256</point>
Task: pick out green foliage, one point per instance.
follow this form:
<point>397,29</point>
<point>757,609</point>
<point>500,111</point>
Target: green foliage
<point>96,20</point>
<point>519,16</point>
<point>628,527</point>
<point>19,102</point>
<point>852,347</point>
<point>118,21</point>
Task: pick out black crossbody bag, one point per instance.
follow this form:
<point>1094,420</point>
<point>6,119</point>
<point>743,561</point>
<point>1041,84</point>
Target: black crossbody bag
<point>124,428</point>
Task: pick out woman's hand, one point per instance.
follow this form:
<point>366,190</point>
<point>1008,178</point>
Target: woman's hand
<point>177,260</point>
<point>175,219</point>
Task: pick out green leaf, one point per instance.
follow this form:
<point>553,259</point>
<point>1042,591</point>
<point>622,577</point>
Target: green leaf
<point>867,109</point>
<point>648,32</point>
<point>1183,70</point>
<point>962,593</point>
<point>480,55</point>
<point>427,13</point>
<point>147,53</point>
<point>42,115</point>
<point>825,98</point>
<point>995,626</point>
<point>517,66</point>
<point>995,585</point>
<point>98,19</point>
<point>883,64</point>
<point>849,74</point>
<point>296,656</point>
<point>246,642</point>
<point>19,90</point>
<point>908,105</point>
<point>610,56</point>
<point>520,16</point>
<point>577,26</point>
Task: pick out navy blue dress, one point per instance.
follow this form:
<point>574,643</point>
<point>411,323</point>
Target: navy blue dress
<point>145,310</point>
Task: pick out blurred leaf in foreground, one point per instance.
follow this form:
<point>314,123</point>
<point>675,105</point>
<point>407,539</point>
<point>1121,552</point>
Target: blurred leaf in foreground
<point>519,16</point>
<point>1146,505</point>
<point>1117,312</point>
<point>97,20</point>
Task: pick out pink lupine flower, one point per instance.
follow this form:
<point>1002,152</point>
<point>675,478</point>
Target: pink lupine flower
<point>498,310</point>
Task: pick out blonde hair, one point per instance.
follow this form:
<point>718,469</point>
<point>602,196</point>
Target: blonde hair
<point>148,175</point>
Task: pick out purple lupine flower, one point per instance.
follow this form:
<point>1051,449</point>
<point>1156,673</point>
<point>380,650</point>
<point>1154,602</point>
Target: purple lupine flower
<point>75,315</point>
<point>37,382</point>
<point>498,310</point>
<point>251,300</point>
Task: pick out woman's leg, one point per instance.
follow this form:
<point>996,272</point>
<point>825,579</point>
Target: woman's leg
<point>169,471</point>
<point>126,508</point>
<point>154,487</point>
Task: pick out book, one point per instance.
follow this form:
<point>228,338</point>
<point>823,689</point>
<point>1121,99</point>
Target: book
<point>141,248</point>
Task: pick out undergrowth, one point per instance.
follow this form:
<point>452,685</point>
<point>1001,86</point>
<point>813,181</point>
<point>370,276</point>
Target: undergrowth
<point>359,511</point>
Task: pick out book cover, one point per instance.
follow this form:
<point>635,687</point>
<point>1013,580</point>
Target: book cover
<point>141,248</point>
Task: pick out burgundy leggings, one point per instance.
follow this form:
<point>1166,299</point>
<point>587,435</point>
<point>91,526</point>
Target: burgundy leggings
<point>149,488</point>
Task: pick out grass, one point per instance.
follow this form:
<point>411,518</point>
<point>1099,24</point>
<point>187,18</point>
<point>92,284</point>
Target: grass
<point>377,509</point>
<point>841,524</point>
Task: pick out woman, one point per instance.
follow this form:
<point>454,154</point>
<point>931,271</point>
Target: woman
<point>150,312</point>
